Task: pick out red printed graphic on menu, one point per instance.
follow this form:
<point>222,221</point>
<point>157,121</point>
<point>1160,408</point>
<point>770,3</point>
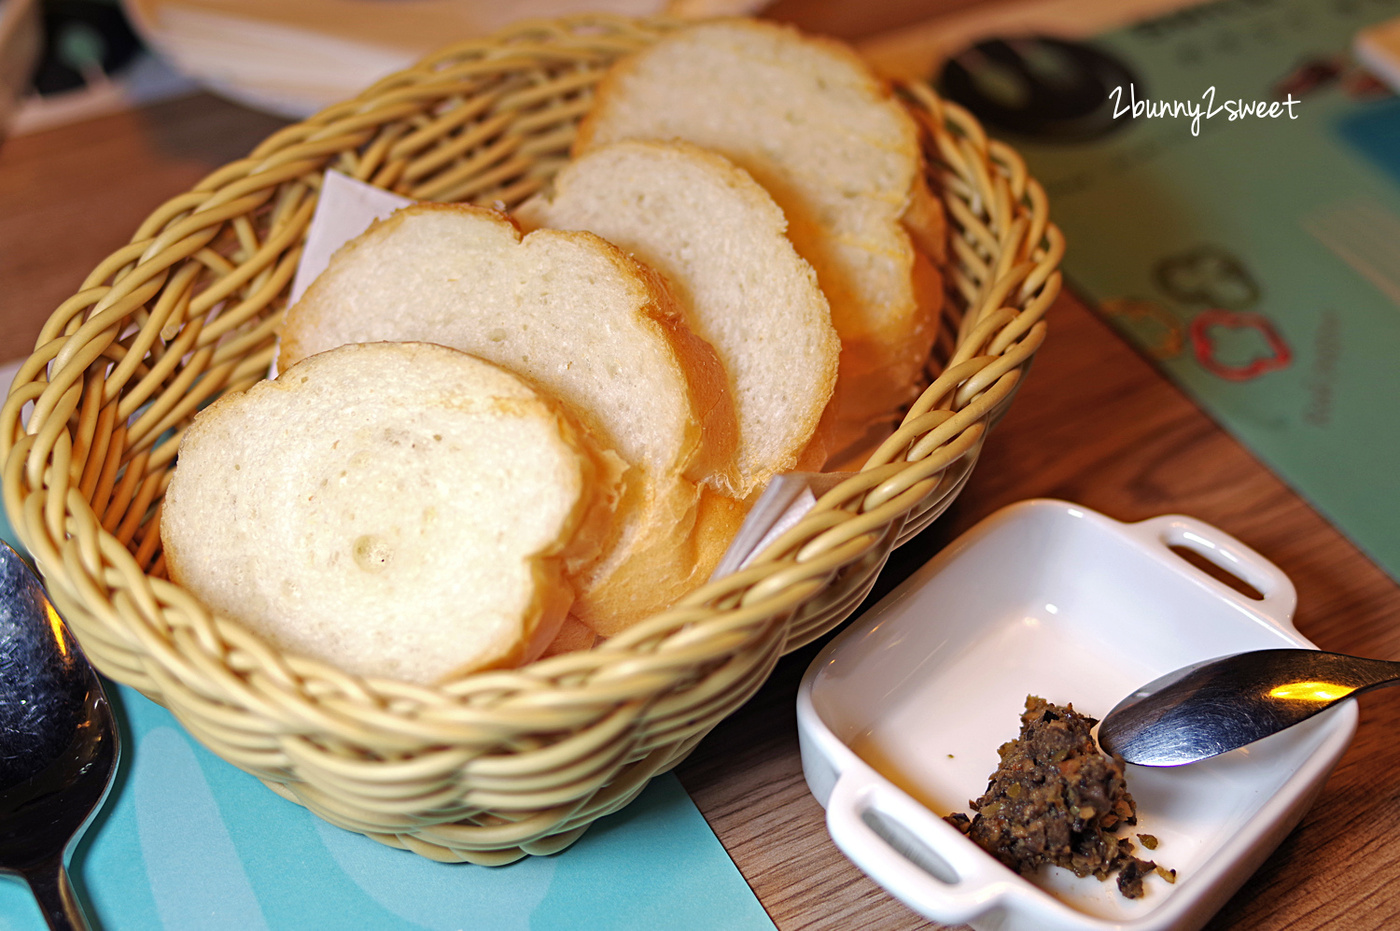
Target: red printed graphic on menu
<point>1203,343</point>
<point>1227,338</point>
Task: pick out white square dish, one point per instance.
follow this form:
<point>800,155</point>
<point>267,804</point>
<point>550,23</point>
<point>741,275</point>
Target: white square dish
<point>901,715</point>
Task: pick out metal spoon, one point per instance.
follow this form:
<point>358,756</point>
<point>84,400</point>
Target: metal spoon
<point>1212,707</point>
<point>58,743</point>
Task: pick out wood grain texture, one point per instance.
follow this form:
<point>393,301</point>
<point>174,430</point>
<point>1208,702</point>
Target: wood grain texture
<point>72,195</point>
<point>1095,424</point>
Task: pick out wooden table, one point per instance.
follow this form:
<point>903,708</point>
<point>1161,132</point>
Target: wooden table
<point>1095,424</point>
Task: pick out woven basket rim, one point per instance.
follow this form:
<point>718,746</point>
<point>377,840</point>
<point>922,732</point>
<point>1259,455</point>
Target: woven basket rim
<point>523,40</point>
<point>1005,253</point>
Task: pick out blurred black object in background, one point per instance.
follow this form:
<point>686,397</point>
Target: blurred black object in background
<point>1041,88</point>
<point>84,41</point>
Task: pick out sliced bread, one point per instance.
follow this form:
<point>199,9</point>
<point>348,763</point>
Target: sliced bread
<point>578,318</point>
<point>811,123</point>
<point>719,240</point>
<point>400,510</point>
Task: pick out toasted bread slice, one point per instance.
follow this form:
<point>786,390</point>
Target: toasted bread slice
<point>719,240</point>
<point>811,123</point>
<point>581,320</point>
<point>401,510</point>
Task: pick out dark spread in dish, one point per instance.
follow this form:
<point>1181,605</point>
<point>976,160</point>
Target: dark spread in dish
<point>1056,799</point>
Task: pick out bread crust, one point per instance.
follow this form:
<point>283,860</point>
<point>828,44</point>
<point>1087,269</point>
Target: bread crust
<point>717,425</point>
<point>683,560</point>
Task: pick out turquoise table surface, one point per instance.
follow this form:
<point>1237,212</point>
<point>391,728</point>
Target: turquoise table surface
<point>188,841</point>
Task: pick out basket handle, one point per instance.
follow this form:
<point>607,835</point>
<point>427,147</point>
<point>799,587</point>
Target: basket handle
<point>916,856</point>
<point>1279,597</point>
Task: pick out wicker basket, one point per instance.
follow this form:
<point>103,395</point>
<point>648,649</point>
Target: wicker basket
<point>501,764</point>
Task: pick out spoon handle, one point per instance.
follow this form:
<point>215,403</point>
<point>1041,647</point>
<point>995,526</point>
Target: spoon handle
<point>53,890</point>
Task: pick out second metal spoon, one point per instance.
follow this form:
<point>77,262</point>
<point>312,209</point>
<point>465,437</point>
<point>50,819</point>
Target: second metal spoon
<point>1221,704</point>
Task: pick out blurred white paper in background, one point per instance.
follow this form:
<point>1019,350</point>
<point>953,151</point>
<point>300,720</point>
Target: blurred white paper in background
<point>294,57</point>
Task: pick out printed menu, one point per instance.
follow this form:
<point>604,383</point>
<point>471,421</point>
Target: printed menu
<point>1228,181</point>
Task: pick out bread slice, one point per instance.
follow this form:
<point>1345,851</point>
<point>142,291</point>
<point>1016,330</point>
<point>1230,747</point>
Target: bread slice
<point>719,240</point>
<point>582,321</point>
<point>401,510</point>
<point>810,122</point>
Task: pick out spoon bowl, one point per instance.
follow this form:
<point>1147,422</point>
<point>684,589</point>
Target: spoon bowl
<point>58,742</point>
<point>1212,707</point>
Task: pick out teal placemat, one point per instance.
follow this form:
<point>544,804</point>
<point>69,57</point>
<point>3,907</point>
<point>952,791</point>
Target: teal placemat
<point>189,842</point>
<point>1256,260</point>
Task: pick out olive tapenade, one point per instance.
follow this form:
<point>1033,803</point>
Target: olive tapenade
<point>1056,799</point>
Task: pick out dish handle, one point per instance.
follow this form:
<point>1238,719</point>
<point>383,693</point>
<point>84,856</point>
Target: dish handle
<point>915,855</point>
<point>1278,597</point>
